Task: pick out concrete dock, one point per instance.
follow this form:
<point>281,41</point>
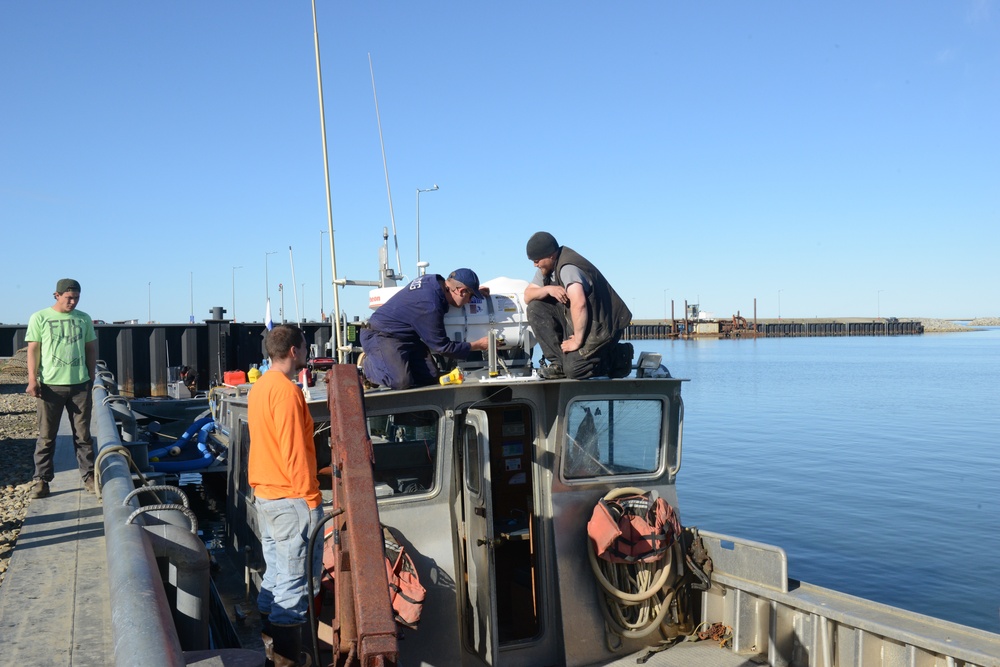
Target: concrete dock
<point>54,603</point>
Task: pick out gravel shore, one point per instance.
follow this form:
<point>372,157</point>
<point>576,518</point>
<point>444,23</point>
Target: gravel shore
<point>18,430</point>
<point>932,325</point>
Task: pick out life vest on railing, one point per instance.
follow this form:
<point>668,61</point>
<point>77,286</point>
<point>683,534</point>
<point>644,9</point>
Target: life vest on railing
<point>405,591</point>
<point>637,528</point>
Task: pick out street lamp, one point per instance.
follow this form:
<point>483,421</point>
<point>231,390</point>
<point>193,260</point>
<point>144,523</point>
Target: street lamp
<point>779,304</point>
<point>267,293</point>
<point>420,269</point>
<point>234,291</point>
<point>322,311</point>
<point>281,308</point>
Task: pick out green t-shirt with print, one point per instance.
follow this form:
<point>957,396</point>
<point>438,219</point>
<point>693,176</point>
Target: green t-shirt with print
<point>63,338</point>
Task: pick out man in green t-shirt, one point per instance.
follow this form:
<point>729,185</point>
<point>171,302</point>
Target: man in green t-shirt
<point>62,355</point>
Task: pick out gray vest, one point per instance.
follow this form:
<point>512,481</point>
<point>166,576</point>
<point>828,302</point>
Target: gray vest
<point>608,314</point>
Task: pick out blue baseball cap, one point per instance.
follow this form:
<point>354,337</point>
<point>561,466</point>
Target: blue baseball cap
<point>468,278</point>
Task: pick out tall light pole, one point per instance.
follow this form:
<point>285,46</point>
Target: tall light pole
<point>779,304</point>
<point>267,293</point>
<point>149,302</point>
<point>234,291</point>
<point>420,269</point>
<point>322,311</point>
<point>878,296</point>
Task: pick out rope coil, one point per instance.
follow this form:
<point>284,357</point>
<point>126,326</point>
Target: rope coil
<point>167,506</point>
<point>634,563</point>
<point>153,488</point>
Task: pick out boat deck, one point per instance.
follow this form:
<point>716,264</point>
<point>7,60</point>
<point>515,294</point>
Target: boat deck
<point>54,602</point>
<point>687,654</point>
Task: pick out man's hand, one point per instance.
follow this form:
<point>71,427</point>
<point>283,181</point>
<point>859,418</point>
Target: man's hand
<point>481,344</point>
<point>485,291</point>
<point>34,388</point>
<point>572,344</point>
<point>558,293</point>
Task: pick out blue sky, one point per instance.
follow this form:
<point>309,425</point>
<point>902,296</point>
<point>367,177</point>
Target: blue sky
<point>841,156</point>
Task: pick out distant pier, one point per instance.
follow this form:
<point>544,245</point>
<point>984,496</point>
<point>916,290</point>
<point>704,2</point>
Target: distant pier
<point>740,327</point>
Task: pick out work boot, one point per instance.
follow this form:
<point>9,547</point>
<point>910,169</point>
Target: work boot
<point>288,646</point>
<point>265,636</point>
<point>39,489</point>
<point>551,372</point>
<point>621,360</point>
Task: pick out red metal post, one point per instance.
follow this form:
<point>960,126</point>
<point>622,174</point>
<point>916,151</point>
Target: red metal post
<point>361,538</point>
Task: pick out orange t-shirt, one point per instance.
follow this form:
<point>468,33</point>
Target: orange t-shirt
<point>282,451</point>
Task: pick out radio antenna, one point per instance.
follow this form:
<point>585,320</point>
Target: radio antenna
<point>385,166</point>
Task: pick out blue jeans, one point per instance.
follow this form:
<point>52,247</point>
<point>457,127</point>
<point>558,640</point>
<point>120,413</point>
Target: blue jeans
<point>397,364</point>
<point>285,526</point>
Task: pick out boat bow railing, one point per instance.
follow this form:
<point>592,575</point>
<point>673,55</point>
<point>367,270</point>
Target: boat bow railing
<point>146,629</point>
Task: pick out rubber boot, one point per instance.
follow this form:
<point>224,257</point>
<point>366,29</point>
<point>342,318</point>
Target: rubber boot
<point>288,646</point>
<point>265,636</point>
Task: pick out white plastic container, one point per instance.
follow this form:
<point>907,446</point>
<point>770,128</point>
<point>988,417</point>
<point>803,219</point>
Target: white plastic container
<point>503,310</point>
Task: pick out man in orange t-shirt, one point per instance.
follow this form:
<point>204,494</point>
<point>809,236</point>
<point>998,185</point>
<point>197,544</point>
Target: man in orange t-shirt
<point>282,472</point>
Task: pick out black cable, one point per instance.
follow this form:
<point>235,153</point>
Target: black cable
<point>314,639</point>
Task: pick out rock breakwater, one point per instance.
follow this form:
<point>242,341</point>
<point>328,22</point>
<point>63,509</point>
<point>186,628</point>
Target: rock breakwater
<point>18,431</point>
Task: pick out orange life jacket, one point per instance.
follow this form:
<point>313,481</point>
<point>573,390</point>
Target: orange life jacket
<point>405,591</point>
<point>634,528</point>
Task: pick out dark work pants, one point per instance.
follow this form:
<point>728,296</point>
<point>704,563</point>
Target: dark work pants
<point>77,400</point>
<point>396,364</point>
<point>552,324</point>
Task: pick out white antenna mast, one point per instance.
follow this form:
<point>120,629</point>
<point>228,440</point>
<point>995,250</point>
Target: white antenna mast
<point>385,166</point>
<point>340,352</point>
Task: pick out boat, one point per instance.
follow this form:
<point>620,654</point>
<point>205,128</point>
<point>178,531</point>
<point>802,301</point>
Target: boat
<point>492,487</point>
<point>489,486</point>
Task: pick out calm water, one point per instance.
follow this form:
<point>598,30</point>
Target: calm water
<point>874,462</point>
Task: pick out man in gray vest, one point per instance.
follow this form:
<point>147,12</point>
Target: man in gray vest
<point>577,317</point>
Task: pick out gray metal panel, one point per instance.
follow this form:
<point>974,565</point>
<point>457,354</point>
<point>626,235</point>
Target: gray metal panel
<point>158,362</point>
<point>752,561</point>
<point>427,527</point>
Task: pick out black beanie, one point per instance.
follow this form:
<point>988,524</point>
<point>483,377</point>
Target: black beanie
<point>541,245</point>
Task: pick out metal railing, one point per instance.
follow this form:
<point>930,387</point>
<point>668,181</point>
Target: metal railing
<point>145,628</point>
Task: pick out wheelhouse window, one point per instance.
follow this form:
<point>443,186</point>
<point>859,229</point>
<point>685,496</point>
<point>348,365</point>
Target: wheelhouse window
<point>613,437</point>
<point>405,445</point>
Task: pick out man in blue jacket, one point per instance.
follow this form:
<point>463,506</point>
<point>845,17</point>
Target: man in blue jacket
<point>404,332</point>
